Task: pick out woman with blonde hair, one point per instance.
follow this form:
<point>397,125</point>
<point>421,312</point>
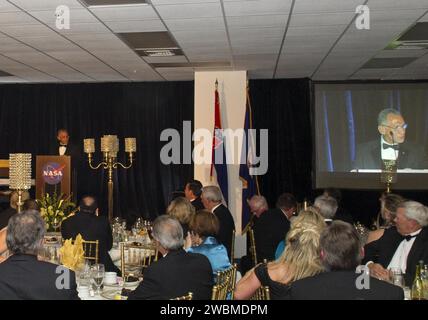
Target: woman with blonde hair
<point>300,259</point>
<point>182,209</point>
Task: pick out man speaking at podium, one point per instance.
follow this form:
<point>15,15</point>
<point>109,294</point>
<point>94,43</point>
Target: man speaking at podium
<point>65,147</point>
<point>391,145</point>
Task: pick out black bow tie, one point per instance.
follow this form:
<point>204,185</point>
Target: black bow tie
<point>392,146</point>
<point>409,237</point>
<point>63,145</point>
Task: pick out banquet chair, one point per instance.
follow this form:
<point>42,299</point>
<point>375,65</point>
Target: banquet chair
<point>228,275</point>
<point>90,249</point>
<point>219,291</point>
<point>262,293</point>
<point>135,258</point>
<point>253,250</point>
<point>188,296</point>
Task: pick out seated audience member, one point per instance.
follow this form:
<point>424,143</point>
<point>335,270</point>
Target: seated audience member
<point>91,227</point>
<point>341,212</point>
<point>402,246</point>
<point>258,206</point>
<point>299,260</point>
<point>204,229</point>
<point>30,204</point>
<point>181,209</point>
<point>13,208</point>
<point>341,253</point>
<point>272,227</point>
<point>192,192</point>
<point>327,207</point>
<point>3,245</point>
<point>211,198</point>
<point>22,276</point>
<point>388,211</point>
<point>178,272</point>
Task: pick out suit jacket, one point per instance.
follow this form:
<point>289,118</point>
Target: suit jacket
<point>215,252</point>
<point>5,216</point>
<point>340,285</point>
<point>227,225</point>
<point>23,277</point>
<point>368,156</point>
<point>92,228</point>
<point>270,230</point>
<point>382,251</point>
<point>197,204</point>
<point>175,275</point>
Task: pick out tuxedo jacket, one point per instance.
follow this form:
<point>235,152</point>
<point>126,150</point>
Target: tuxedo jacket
<point>91,228</point>
<point>227,225</point>
<point>197,204</point>
<point>175,275</point>
<point>23,277</point>
<point>369,156</point>
<point>72,150</point>
<point>382,251</point>
<point>341,285</point>
<point>270,229</point>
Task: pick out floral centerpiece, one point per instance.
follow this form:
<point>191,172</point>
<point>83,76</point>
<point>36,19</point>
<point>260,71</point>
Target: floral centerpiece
<point>54,209</point>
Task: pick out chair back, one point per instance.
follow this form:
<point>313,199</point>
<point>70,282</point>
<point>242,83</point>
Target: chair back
<point>188,296</point>
<point>91,250</point>
<point>253,250</point>
<point>219,291</point>
<point>262,293</point>
<point>135,258</point>
<point>228,275</point>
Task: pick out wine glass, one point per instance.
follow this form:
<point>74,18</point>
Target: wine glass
<point>56,222</point>
<point>97,274</point>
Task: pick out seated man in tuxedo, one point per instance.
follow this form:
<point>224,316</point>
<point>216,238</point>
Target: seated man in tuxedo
<point>402,246</point>
<point>391,145</point>
<point>192,192</point>
<point>178,272</point>
<point>327,207</point>
<point>341,212</point>
<point>91,227</point>
<point>13,208</point>
<point>211,198</point>
<point>22,275</point>
<point>341,253</point>
<point>272,227</point>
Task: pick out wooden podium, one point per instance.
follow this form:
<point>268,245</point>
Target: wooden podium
<point>53,174</point>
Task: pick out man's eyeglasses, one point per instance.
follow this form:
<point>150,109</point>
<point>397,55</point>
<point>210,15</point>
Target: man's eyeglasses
<point>403,126</point>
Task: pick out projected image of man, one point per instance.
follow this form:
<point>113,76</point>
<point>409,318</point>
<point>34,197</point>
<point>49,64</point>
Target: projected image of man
<point>391,145</point>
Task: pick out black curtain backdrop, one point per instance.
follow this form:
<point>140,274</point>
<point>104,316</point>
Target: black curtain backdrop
<point>31,114</point>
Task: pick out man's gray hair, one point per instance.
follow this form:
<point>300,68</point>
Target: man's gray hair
<point>382,118</point>
<point>25,233</point>
<point>416,211</point>
<point>259,202</point>
<point>212,193</point>
<point>168,231</point>
<point>327,206</point>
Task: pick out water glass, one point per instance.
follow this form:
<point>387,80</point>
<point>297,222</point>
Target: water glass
<point>97,274</point>
<point>396,277</point>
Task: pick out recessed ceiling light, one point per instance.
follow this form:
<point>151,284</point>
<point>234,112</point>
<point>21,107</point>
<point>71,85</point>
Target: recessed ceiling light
<point>113,3</point>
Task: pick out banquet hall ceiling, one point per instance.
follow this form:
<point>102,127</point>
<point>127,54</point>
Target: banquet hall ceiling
<point>269,38</point>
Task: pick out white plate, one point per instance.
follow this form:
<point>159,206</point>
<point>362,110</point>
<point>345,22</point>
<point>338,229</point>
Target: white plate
<point>111,294</point>
<point>131,284</point>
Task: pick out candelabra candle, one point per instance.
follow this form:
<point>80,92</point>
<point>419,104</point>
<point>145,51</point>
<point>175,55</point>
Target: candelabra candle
<point>89,145</point>
<point>104,144</point>
<point>130,145</point>
<point>20,171</point>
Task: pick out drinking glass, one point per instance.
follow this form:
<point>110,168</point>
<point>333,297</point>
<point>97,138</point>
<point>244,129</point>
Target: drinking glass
<point>396,277</point>
<point>97,274</point>
<point>56,222</point>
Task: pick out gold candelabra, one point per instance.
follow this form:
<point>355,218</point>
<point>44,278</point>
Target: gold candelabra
<point>110,148</point>
<point>389,173</point>
<point>20,174</point>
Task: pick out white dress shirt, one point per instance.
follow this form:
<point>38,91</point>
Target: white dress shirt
<point>399,260</point>
<point>62,150</point>
<point>388,153</point>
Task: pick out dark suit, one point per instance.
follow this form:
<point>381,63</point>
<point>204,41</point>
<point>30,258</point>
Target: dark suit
<point>369,156</point>
<point>383,250</point>
<point>92,228</point>
<point>197,204</point>
<point>5,216</point>
<point>176,275</point>
<point>343,215</point>
<point>227,225</point>
<point>341,285</point>
<point>271,228</point>
<point>23,277</point>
